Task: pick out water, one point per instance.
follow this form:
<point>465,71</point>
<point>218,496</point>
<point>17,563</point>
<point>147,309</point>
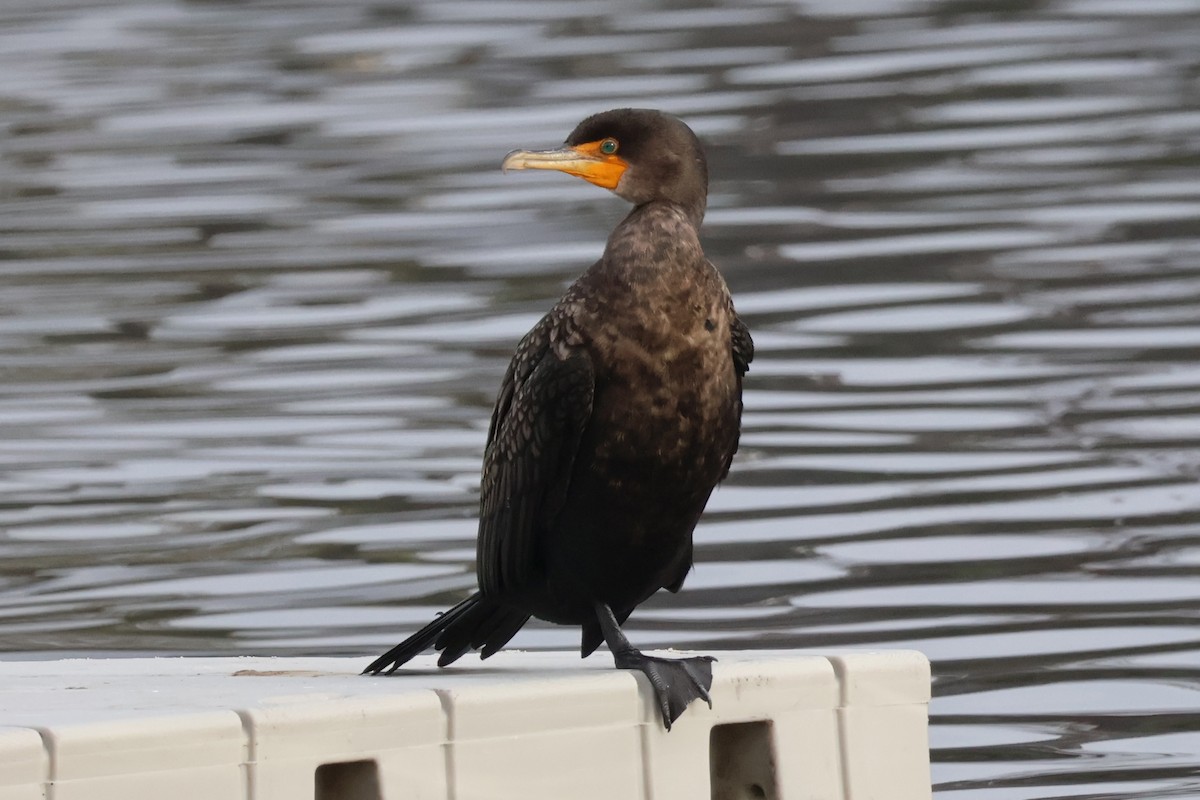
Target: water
<point>260,276</point>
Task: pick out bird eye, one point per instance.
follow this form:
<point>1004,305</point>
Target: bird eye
<point>608,146</point>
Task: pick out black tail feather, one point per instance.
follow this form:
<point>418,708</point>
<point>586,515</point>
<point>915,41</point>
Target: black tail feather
<point>487,625</point>
<point>474,622</point>
<point>422,639</point>
<point>505,629</point>
<point>455,640</point>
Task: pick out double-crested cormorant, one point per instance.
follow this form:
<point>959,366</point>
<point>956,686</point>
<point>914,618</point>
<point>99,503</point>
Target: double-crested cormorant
<point>617,417</point>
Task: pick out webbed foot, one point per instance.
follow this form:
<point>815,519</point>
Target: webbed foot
<point>676,681</point>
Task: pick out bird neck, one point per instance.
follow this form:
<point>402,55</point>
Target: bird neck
<point>692,207</point>
<point>656,238</point>
<point>692,211</point>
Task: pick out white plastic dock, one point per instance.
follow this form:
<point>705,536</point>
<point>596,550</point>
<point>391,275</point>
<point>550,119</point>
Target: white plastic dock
<point>783,726</point>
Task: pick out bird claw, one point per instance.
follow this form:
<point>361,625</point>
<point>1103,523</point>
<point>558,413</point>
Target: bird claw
<point>676,681</point>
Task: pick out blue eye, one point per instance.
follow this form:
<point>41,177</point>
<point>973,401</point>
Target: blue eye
<point>608,146</point>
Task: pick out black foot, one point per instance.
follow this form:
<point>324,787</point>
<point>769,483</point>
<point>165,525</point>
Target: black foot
<point>676,681</point>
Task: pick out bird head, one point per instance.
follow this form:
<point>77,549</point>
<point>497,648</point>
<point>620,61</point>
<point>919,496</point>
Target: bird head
<point>639,154</point>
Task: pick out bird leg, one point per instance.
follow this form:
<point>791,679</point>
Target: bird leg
<point>676,681</point>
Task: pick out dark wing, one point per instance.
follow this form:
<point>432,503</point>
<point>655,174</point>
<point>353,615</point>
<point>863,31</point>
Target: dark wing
<point>743,353</point>
<point>743,345</point>
<point>542,410</point>
<point>530,350</point>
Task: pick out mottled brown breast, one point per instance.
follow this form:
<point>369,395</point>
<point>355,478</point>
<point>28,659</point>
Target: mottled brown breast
<point>655,316</point>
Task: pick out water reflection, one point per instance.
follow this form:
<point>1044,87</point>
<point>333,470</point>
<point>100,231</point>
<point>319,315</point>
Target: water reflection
<point>261,276</point>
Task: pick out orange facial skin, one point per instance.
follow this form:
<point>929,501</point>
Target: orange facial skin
<point>582,160</point>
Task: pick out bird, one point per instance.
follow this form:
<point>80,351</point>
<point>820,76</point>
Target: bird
<point>618,415</point>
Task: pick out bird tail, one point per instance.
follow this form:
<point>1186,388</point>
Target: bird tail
<point>475,623</point>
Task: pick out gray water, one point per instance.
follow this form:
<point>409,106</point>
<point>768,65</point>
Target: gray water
<point>260,276</point>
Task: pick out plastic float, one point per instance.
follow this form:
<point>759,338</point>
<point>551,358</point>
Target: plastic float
<point>783,726</point>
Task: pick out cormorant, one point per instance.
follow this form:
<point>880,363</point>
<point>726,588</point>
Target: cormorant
<point>617,417</point>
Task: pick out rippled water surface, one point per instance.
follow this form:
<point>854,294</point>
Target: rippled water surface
<point>260,275</point>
